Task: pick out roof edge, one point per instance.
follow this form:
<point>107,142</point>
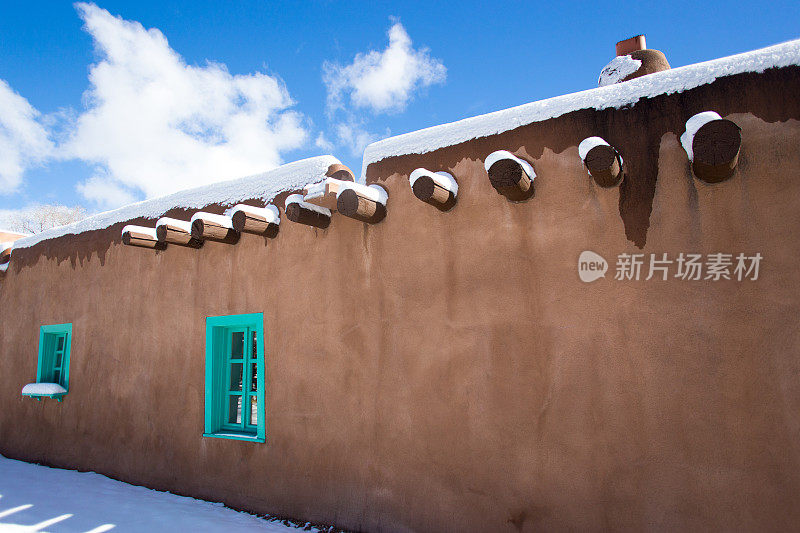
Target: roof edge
<point>264,186</point>
<point>675,80</point>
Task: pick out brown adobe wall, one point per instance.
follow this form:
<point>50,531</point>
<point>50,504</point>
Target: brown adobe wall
<point>449,371</point>
<point>635,132</point>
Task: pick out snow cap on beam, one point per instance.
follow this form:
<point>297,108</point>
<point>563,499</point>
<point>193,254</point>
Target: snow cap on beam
<point>509,175</point>
<point>214,227</point>
<point>325,193</point>
<point>712,145</point>
<point>436,188</point>
<point>305,213</point>
<point>692,125</point>
<point>494,157</point>
<point>176,231</point>
<point>258,220</point>
<point>601,160</point>
<point>133,235</point>
<point>366,203</point>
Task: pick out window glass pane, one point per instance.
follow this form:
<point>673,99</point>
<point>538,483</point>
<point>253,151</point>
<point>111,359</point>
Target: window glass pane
<point>57,376</point>
<point>235,409</point>
<point>237,345</point>
<point>60,343</point>
<point>253,411</point>
<point>236,377</point>
<point>59,355</point>
<point>253,377</point>
<point>254,353</point>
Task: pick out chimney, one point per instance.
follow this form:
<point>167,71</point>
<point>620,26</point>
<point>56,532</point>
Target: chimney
<point>633,60</point>
<point>633,44</point>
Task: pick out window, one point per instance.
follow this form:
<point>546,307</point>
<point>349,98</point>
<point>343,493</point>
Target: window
<point>235,377</point>
<point>53,366</point>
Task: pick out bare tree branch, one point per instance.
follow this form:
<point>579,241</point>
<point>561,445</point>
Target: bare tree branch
<point>41,217</point>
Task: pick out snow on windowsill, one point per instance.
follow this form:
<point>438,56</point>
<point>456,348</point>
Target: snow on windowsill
<point>675,80</point>
<point>235,436</point>
<point>265,187</point>
<point>43,389</point>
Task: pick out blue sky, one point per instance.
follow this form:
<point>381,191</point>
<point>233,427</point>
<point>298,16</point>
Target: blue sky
<point>291,80</point>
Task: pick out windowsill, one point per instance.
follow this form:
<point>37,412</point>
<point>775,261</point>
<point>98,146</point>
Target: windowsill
<point>41,390</point>
<point>38,397</point>
<point>234,436</point>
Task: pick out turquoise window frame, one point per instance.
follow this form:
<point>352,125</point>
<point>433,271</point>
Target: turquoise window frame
<point>48,357</point>
<point>219,362</point>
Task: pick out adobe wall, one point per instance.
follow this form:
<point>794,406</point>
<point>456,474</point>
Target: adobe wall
<point>449,371</point>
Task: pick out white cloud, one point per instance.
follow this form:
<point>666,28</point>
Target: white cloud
<point>354,136</point>
<point>383,81</point>
<point>323,143</point>
<point>24,142</point>
<point>105,192</point>
<point>155,124</point>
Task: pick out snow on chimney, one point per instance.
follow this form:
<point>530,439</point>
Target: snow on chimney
<point>631,45</point>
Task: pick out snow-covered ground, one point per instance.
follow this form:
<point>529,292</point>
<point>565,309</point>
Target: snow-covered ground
<point>38,498</point>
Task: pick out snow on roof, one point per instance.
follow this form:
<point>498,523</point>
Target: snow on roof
<point>617,69</point>
<point>264,186</point>
<point>618,95</point>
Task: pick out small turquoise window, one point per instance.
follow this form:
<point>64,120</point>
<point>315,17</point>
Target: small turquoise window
<point>234,403</point>
<point>53,366</point>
